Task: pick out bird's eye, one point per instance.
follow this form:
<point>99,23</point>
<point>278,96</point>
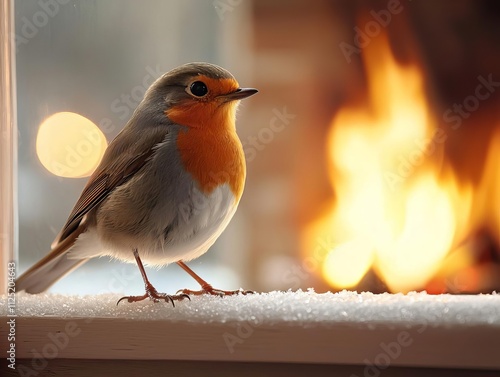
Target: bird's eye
<point>198,89</point>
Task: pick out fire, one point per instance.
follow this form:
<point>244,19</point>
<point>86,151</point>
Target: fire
<point>399,206</point>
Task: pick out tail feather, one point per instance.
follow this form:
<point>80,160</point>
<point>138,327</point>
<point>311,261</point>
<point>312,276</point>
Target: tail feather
<point>51,268</point>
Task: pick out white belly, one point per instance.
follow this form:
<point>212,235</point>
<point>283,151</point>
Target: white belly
<point>197,225</point>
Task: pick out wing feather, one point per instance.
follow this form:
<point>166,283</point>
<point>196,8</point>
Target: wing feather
<point>120,163</point>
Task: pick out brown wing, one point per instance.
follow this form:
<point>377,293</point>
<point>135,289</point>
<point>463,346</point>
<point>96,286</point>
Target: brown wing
<point>125,156</point>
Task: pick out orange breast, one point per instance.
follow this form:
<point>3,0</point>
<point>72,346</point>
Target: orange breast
<point>210,148</point>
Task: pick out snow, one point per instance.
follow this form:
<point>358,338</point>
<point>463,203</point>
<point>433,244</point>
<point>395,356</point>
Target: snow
<point>300,308</point>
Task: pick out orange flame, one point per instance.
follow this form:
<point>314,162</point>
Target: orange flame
<point>399,206</point>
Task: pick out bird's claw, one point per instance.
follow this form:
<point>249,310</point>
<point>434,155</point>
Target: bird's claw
<point>209,290</point>
<point>153,295</point>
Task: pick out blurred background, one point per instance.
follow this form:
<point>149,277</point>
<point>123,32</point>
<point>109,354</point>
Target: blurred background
<point>373,146</point>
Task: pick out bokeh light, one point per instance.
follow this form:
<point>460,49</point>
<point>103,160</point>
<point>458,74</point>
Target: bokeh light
<point>70,145</point>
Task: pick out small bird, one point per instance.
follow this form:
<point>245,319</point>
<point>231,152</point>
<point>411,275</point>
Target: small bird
<point>166,188</point>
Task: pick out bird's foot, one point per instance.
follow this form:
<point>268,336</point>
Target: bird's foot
<point>154,295</point>
<point>209,290</point>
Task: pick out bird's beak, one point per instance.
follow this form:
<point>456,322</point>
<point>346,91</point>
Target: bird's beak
<point>239,93</point>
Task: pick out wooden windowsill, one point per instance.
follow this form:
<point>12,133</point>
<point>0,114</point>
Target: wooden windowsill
<point>344,330</point>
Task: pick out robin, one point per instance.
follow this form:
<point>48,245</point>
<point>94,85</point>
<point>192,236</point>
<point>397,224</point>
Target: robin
<point>166,188</point>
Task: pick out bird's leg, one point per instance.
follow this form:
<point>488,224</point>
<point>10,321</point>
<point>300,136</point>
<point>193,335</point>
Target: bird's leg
<point>151,291</point>
<point>205,287</point>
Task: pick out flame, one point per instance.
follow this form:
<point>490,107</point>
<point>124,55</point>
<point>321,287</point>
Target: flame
<point>488,196</point>
<point>400,207</point>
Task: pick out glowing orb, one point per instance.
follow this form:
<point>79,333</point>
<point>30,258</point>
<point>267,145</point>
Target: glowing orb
<point>70,145</point>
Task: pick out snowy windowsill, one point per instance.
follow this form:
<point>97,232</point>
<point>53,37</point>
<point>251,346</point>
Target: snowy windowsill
<point>417,330</point>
